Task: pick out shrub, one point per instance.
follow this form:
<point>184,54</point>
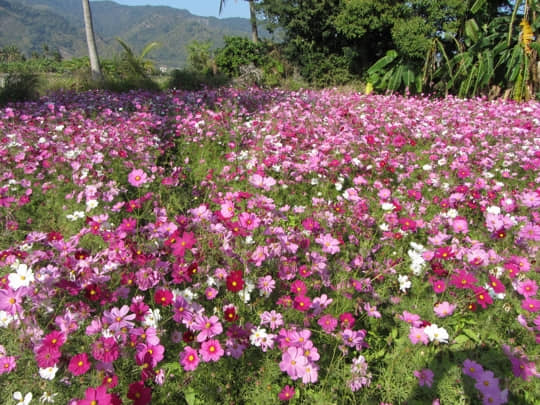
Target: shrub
<point>19,86</point>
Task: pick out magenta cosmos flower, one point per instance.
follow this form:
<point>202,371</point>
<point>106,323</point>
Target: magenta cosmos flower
<point>211,350</point>
<point>96,396</point>
<point>189,359</point>
<point>137,178</point>
<point>286,393</point>
<point>79,364</point>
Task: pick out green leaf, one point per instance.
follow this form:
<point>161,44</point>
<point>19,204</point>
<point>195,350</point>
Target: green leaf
<point>472,30</point>
<point>535,46</point>
<point>408,77</point>
<point>478,4</point>
<point>383,62</point>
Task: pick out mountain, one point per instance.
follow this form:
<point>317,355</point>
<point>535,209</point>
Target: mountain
<point>30,24</point>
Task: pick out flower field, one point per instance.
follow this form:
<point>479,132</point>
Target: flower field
<point>258,247</point>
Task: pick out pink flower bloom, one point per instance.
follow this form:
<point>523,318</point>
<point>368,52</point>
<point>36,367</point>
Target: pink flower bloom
<point>11,301</point>
<point>417,335</point>
<point>472,369</point>
<point>273,318</point>
<point>7,364</point>
<point>328,243</point>
<point>460,225</point>
<point>463,279</point>
<point>439,286</point>
<point>137,178</point>
<point>211,350</point>
<point>425,377</point>
<point>486,382</point>
<point>328,323</point>
<point>207,327</point>
<point>311,373</point>
<point>286,393</point>
<point>527,287</point>
<point>302,303</point>
<point>530,304</point>
<point>185,242</point>
<point>266,285</point>
<point>227,210</point>
<point>298,287</point>
<point>79,364</point>
<point>105,349</point>
<point>96,396</point>
<point>293,362</point>
<point>118,318</point>
<point>411,319</point>
<point>444,309</point>
<point>189,359</point>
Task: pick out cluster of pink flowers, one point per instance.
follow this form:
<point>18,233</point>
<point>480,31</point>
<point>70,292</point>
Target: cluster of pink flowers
<point>325,215</point>
<point>486,383</point>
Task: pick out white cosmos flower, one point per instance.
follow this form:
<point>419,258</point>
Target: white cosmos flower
<point>48,397</point>
<point>22,278</point>
<point>48,373</point>
<point>5,319</point>
<point>152,318</point>
<point>17,396</point>
<point>404,283</point>
<point>435,333</point>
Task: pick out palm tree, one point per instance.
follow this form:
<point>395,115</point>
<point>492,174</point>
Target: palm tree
<point>90,40</point>
<point>252,18</point>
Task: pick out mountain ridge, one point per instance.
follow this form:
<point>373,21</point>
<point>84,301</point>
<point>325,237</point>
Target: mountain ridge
<point>30,24</point>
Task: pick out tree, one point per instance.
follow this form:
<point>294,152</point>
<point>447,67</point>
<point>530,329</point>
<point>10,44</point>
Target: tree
<point>90,40</point>
<point>252,18</point>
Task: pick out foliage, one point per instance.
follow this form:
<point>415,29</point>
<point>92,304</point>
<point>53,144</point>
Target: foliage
<point>19,86</point>
<point>240,56</point>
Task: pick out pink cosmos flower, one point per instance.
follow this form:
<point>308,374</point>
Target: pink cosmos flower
<point>463,279</point>
<point>11,301</point>
<point>472,369</point>
<point>417,335</point>
<point>211,350</point>
<point>439,286</point>
<point>425,377</point>
<point>328,323</point>
<point>7,364</point>
<point>444,309</point>
<point>293,362</point>
<point>207,327</point>
<point>105,349</point>
<point>530,304</point>
<point>460,225</point>
<point>286,394</point>
<point>272,318</point>
<point>411,319</point>
<point>302,303</point>
<point>189,359</point>
<point>311,373</point>
<point>328,243</point>
<point>266,285</point>
<point>118,318</point>
<point>96,396</point>
<point>185,242</point>
<point>137,178</point>
<point>527,287</point>
<point>79,364</point>
<point>227,210</point>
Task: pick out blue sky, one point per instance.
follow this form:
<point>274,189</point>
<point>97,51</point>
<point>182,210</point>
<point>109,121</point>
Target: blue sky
<point>206,8</point>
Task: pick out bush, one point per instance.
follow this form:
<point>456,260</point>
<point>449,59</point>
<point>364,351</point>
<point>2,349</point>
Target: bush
<point>189,79</point>
<point>19,86</point>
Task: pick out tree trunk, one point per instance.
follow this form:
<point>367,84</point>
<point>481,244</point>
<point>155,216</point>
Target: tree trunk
<point>90,40</point>
<point>253,19</point>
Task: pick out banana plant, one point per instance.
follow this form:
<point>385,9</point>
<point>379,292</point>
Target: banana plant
<point>392,73</point>
<point>138,64</point>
